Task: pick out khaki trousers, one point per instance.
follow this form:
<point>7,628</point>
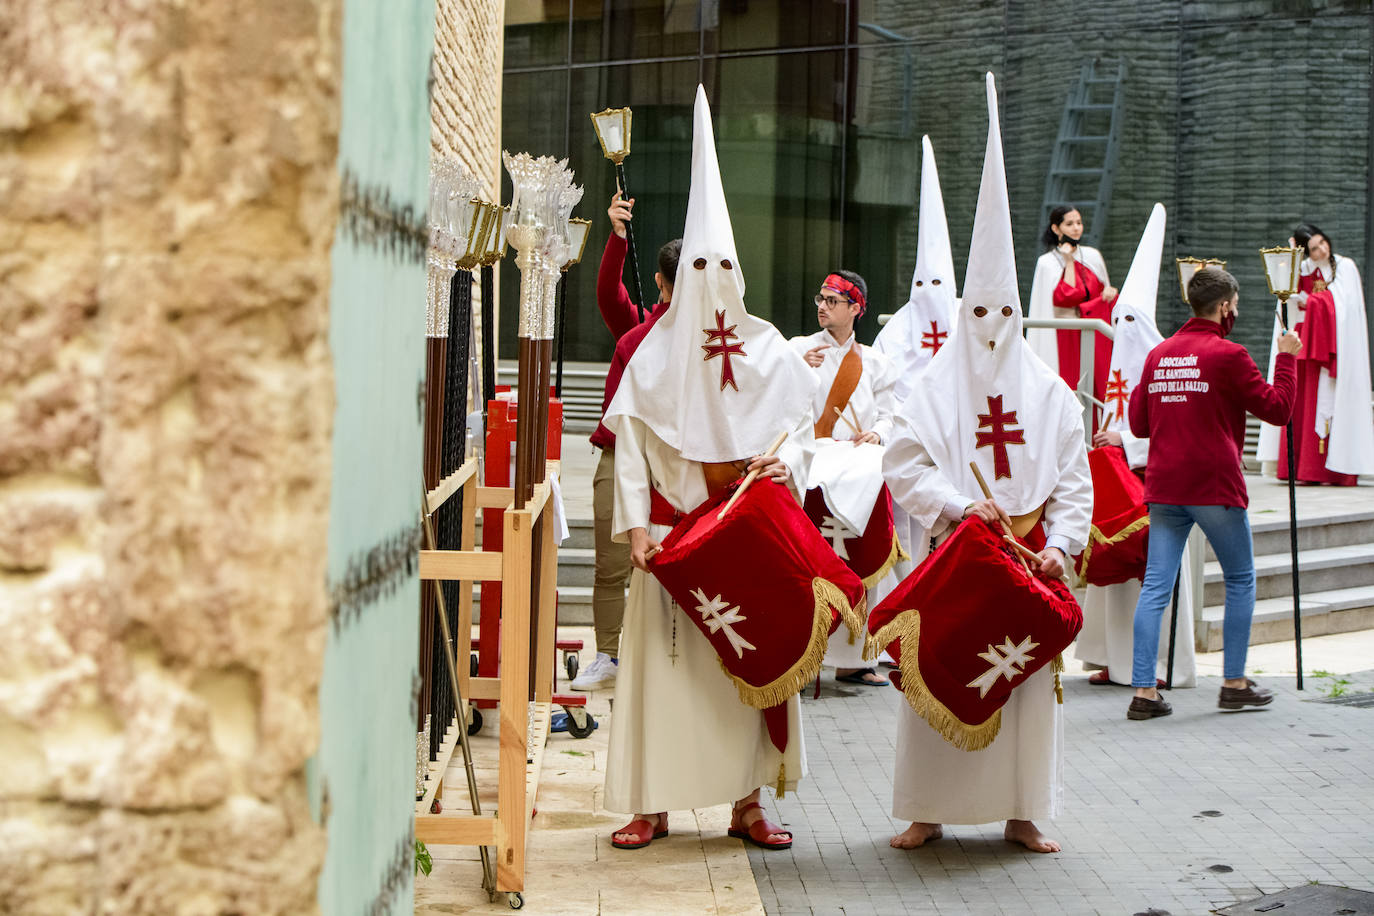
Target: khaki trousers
<point>612,573</point>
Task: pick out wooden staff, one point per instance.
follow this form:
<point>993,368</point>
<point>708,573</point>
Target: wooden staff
<point>752,475</point>
<point>1006,529</point>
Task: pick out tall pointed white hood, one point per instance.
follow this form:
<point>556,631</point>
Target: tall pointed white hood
<point>986,397</point>
<point>922,326</point>
<point>711,380</point>
<point>1133,321</point>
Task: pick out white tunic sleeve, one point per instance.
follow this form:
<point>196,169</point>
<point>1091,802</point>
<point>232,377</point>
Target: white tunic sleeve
<point>1069,510</point>
<point>916,484</point>
<point>885,400</point>
<point>1137,450</point>
<point>631,479</point>
<point>796,452</point>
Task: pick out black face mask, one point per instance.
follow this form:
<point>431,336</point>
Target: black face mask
<point>1228,321</point>
<point>1072,242</point>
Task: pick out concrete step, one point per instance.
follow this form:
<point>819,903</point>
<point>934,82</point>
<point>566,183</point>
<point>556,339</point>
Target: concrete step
<point>576,566</point>
<point>1271,535</point>
<point>1340,610</point>
<point>574,606</point>
<point>581,535</point>
<point>1322,569</point>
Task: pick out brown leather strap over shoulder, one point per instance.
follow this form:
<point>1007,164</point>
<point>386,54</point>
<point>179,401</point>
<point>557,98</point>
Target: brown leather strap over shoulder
<point>841,390</point>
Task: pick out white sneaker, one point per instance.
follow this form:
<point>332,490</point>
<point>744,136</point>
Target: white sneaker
<point>600,673</point>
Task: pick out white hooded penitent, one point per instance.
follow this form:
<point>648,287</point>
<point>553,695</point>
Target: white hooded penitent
<point>920,328</point>
<point>1133,321</point>
<point>985,394</point>
<point>710,380</point>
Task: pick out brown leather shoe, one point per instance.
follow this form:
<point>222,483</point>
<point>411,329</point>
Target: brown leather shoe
<point>1141,708</point>
<point>1251,694</point>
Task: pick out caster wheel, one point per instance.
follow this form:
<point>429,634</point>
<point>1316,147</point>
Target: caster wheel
<point>515,899</point>
<point>472,665</point>
<point>571,664</point>
<point>437,807</point>
<point>580,723</point>
<point>475,724</point>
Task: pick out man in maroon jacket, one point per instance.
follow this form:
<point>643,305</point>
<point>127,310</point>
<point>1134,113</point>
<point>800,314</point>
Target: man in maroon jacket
<point>1194,391</point>
<point>612,569</point>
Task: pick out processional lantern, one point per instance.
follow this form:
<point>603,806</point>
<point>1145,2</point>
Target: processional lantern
<point>455,226</point>
<point>1281,271</point>
<point>542,201</point>
<point>1281,274</point>
<point>1189,266</point>
<point>613,132</point>
<point>578,230</point>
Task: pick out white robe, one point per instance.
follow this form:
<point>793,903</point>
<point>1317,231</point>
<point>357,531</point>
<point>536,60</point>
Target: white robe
<point>873,401</point>
<point>1020,775</point>
<point>1108,634</point>
<point>1049,270</point>
<point>874,397</point>
<point>1344,403</point>
<point>680,737</point>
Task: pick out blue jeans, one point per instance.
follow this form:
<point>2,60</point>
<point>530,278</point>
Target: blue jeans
<point>1228,530</point>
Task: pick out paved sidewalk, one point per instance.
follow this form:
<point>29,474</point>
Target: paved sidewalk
<point>1177,815</point>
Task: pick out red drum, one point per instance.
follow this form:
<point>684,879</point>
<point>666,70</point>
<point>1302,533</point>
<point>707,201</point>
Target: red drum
<point>763,587</point>
<point>870,555</point>
<point>969,626</point>
<point>1120,532</point>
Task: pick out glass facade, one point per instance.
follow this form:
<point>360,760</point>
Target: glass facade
<point>1243,117</point>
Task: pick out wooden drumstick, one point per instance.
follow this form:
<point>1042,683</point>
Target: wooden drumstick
<point>840,413</point>
<point>858,427</point>
<point>749,479</point>
<point>1021,548</point>
<point>987,494</point>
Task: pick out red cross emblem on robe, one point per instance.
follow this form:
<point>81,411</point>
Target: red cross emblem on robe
<point>718,344</point>
<point>933,339</point>
<point>998,435</point>
<point>1118,393</point>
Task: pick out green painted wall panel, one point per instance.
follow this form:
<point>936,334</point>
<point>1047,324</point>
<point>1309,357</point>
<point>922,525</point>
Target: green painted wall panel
<point>363,776</point>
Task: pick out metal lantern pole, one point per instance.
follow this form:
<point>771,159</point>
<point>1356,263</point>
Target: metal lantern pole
<point>1281,273</point>
<point>1297,611</point>
<point>630,242</point>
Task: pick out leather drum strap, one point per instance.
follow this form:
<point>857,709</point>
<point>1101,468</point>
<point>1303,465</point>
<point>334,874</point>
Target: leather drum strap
<point>720,475</point>
<point>1021,525</point>
<point>841,390</point>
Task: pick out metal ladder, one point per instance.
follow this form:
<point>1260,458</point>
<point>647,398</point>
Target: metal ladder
<point>1084,159</point>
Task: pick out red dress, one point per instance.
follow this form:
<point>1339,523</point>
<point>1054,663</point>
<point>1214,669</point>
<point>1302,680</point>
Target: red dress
<point>1086,297</point>
<point>1316,328</point>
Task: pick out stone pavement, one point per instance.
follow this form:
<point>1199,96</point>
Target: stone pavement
<point>1177,815</point>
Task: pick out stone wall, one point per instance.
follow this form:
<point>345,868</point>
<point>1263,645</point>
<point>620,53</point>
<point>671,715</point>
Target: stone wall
<point>168,198</point>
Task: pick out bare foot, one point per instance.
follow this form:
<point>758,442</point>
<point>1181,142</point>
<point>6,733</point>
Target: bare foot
<point>1029,836</point>
<point>917,834</point>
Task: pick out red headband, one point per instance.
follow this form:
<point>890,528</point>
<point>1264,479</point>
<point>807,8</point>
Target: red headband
<point>851,291</point>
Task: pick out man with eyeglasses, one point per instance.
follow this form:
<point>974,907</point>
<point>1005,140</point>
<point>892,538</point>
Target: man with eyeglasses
<point>852,410</point>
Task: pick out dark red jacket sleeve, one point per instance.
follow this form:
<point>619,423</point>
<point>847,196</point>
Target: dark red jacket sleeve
<point>617,310</point>
<point>1271,403</point>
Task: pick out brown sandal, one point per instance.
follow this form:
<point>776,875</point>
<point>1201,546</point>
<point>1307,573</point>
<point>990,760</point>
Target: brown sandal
<point>644,831</point>
<point>759,831</point>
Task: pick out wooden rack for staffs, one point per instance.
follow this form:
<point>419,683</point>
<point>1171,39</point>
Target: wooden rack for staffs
<point>524,702</point>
